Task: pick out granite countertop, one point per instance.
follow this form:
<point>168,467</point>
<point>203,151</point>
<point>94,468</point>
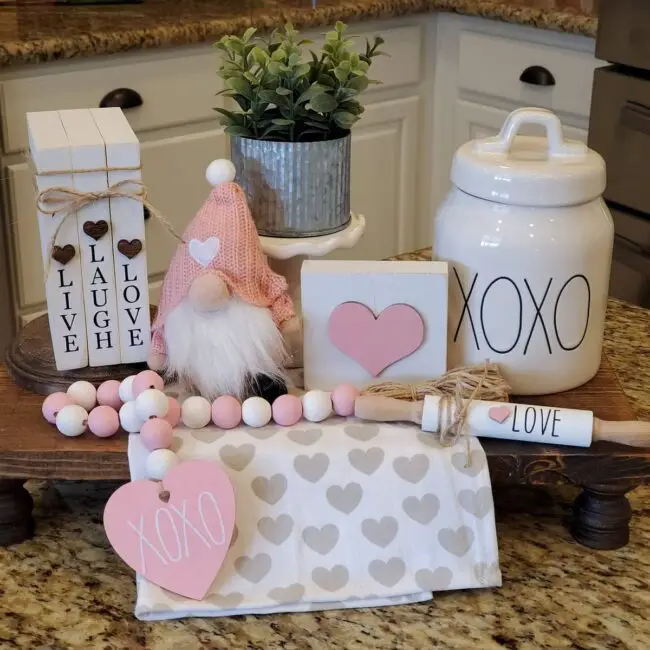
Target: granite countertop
<point>67,589</point>
<point>37,32</point>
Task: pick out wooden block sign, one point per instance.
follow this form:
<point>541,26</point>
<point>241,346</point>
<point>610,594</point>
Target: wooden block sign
<point>373,321</point>
<point>96,285</point>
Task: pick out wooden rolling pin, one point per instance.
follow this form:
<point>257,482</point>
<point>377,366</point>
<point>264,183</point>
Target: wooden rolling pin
<point>509,421</point>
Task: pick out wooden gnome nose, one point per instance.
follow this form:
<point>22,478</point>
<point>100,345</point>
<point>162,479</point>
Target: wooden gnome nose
<point>208,293</point>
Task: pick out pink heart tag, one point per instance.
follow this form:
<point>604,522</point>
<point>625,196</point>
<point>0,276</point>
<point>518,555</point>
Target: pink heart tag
<point>376,342</point>
<point>499,413</point>
<point>176,533</point>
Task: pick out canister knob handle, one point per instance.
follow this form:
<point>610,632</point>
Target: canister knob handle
<point>557,146</point>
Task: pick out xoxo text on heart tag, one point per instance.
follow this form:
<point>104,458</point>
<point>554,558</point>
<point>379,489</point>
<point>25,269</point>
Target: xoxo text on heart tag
<point>178,542</point>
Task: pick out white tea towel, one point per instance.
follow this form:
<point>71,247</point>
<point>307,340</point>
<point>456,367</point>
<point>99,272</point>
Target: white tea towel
<point>338,514</point>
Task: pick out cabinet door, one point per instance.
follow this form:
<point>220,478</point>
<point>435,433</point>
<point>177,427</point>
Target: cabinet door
<point>384,179</point>
<point>173,170</point>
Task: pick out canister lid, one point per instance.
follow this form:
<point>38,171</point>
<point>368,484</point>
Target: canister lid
<point>526,170</point>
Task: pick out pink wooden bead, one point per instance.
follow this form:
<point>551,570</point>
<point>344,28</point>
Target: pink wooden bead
<point>173,412</point>
<point>343,398</point>
<point>103,421</point>
<point>147,379</point>
<point>156,433</point>
<point>287,410</point>
<point>226,412</point>
<point>53,404</point>
<point>108,394</point>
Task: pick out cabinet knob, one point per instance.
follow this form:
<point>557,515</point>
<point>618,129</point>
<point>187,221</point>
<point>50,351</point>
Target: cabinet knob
<point>537,75</point>
<point>121,98</point>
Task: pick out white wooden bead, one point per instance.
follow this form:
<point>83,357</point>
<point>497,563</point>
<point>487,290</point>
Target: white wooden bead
<point>196,412</point>
<point>126,389</point>
<point>316,405</point>
<point>129,419</point>
<point>151,403</point>
<point>83,393</point>
<point>159,462</point>
<point>220,171</point>
<point>72,420</point>
<point>256,412</point>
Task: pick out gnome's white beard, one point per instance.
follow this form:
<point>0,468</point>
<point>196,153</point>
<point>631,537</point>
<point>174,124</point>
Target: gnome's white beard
<point>219,351</point>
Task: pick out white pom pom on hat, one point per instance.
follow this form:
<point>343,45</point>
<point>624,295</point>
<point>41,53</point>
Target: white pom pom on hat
<point>220,171</point>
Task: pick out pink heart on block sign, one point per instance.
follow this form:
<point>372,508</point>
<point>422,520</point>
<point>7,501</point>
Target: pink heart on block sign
<point>376,342</point>
<point>178,542</point>
<point>499,413</point>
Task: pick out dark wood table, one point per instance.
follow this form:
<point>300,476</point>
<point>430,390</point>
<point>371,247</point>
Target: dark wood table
<point>30,448</point>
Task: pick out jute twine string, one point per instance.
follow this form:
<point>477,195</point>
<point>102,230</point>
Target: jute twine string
<point>66,201</point>
<point>486,377</point>
<point>456,389</point>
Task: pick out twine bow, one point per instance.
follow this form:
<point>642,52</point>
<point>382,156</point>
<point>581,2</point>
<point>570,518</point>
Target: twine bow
<point>65,201</point>
<point>456,389</point>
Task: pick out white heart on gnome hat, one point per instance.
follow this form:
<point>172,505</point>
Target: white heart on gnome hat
<point>204,252</point>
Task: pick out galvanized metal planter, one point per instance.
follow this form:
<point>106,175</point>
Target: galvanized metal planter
<point>295,189</point>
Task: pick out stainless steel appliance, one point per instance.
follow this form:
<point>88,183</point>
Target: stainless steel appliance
<point>619,129</point>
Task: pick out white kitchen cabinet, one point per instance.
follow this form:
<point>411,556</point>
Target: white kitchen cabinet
<point>384,178</point>
<point>477,84</point>
<point>449,79</point>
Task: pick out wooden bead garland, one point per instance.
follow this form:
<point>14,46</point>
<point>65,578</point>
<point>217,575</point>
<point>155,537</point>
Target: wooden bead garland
<point>138,405</point>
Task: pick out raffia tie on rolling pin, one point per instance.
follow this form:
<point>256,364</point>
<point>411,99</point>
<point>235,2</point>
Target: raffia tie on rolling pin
<point>456,389</point>
<point>66,201</point>
<point>466,379</point>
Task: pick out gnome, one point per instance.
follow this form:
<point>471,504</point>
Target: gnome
<point>223,312</point>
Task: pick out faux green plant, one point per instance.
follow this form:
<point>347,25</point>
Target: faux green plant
<point>284,95</point>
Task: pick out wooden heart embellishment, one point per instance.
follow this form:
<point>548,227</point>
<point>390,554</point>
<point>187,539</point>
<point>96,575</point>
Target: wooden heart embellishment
<point>96,229</point>
<point>204,252</point>
<point>63,254</point>
<point>499,413</point>
<point>376,342</point>
<point>129,248</point>
<point>176,533</point>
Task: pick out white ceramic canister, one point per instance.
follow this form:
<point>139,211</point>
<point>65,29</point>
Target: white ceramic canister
<point>529,244</point>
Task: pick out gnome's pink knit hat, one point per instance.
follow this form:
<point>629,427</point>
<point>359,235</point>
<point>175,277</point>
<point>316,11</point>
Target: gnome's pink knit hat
<point>239,260</point>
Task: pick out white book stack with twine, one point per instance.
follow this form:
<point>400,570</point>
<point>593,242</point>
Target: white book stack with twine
<point>86,165</point>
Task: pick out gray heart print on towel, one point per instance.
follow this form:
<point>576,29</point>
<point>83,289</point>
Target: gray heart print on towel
<point>207,434</point>
<point>284,595</point>
<point>387,573</point>
<point>362,432</point>
<point>477,503</point>
<point>305,436</point>
<point>270,490</point>
<point>412,469</point>
<point>237,458</point>
<point>477,458</point>
<point>322,540</point>
<point>253,568</point>
<point>456,542</point>
<point>380,532</point>
<point>331,579</point>
<point>262,433</point>
<point>275,530</point>
<point>226,601</point>
<point>429,440</point>
<point>428,580</point>
<point>366,461</point>
<point>422,510</point>
<point>312,468</point>
<point>345,499</point>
